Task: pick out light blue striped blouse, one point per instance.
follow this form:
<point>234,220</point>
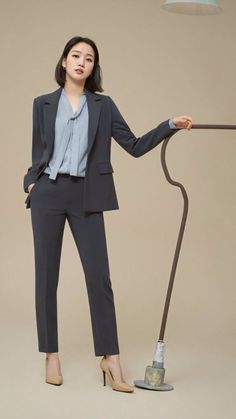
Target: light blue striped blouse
<point>71,139</point>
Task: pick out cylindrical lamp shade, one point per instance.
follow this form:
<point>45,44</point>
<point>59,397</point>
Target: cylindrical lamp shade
<point>193,7</point>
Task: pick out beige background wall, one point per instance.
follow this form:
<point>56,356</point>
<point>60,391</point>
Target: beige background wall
<point>155,65</point>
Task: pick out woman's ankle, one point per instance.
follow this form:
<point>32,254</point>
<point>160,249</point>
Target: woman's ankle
<point>52,355</point>
<point>113,357</point>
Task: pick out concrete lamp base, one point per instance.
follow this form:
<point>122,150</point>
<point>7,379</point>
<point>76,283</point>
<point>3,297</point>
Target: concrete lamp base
<point>154,380</point>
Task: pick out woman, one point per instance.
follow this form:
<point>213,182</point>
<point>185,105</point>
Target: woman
<point>71,179</point>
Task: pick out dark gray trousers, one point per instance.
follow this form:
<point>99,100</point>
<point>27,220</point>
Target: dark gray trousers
<point>52,202</point>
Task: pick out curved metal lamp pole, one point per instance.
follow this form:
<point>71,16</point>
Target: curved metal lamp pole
<point>154,375</point>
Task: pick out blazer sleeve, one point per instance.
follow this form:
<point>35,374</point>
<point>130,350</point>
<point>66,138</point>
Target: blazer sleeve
<point>137,146</point>
<point>37,149</point>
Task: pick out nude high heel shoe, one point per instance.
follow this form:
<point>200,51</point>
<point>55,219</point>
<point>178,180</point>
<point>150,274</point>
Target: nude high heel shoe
<point>116,385</point>
<point>56,380</point>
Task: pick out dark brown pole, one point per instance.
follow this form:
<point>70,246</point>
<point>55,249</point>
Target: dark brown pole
<point>180,237</point>
<point>213,126</point>
<point>184,218</point>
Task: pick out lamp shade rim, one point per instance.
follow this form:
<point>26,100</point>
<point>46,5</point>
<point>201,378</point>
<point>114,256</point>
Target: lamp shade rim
<point>193,7</point>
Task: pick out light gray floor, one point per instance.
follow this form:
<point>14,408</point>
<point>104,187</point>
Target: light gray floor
<point>203,379</point>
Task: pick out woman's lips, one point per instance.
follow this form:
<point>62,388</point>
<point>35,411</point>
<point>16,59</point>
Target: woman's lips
<point>79,71</point>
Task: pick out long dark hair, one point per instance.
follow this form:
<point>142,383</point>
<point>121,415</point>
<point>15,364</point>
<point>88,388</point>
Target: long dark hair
<point>93,82</point>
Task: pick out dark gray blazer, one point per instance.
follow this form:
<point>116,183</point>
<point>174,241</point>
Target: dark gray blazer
<point>105,122</point>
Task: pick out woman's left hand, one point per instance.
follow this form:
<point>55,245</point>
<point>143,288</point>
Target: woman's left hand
<point>183,122</point>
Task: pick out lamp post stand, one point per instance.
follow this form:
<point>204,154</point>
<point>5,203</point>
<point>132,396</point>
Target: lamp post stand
<point>154,375</point>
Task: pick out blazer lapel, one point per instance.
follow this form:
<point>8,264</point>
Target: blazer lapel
<point>94,109</point>
<point>50,111</point>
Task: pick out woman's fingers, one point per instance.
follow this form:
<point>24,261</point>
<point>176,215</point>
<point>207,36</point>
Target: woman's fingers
<point>183,121</point>
<point>30,186</point>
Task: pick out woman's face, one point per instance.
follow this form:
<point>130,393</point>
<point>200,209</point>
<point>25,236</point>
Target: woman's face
<point>79,62</point>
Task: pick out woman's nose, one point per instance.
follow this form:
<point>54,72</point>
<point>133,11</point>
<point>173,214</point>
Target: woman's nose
<point>81,61</point>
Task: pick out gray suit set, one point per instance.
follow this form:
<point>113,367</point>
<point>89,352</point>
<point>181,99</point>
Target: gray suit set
<point>80,199</point>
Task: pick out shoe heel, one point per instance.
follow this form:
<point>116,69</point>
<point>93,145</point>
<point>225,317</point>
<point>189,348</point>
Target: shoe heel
<point>104,378</point>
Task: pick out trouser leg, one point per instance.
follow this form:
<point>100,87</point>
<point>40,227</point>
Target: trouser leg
<point>89,234</point>
<point>48,228</point>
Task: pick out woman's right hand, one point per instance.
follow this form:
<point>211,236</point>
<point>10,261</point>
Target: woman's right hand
<point>30,186</point>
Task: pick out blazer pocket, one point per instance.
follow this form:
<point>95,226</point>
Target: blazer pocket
<point>105,167</point>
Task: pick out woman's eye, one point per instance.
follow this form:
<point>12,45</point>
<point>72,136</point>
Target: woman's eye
<point>76,56</point>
